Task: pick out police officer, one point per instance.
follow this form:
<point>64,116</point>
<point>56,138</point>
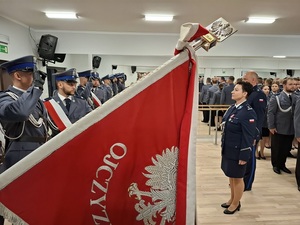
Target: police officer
<point>237,141</point>
<point>98,88</point>
<point>85,86</point>
<point>22,113</point>
<point>74,107</point>
<point>258,101</point>
<point>297,136</point>
<point>114,84</point>
<point>107,87</point>
<point>121,81</point>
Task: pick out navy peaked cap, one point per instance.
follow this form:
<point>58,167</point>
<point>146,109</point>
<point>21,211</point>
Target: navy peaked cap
<point>68,75</point>
<point>106,77</point>
<point>86,73</point>
<point>24,63</point>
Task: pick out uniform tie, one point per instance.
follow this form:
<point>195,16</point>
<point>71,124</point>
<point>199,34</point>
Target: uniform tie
<point>68,103</point>
<point>290,97</point>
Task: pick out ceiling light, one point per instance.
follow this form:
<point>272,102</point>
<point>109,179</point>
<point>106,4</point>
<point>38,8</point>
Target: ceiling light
<point>61,15</point>
<point>260,20</point>
<point>279,56</point>
<point>158,17</point>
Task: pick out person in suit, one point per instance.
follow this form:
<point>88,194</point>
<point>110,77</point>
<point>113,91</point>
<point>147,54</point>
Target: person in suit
<point>216,101</point>
<point>238,137</point>
<point>22,113</point>
<point>258,101</point>
<point>281,125</point>
<point>297,136</point>
<point>211,91</point>
<point>74,107</point>
<point>226,92</point>
<point>204,98</point>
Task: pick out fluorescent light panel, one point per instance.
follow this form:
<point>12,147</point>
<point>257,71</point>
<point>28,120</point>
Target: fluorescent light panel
<point>158,17</point>
<point>260,20</point>
<point>61,15</point>
<point>279,56</point>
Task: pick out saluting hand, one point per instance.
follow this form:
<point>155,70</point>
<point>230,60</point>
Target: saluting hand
<point>273,131</point>
<point>241,162</point>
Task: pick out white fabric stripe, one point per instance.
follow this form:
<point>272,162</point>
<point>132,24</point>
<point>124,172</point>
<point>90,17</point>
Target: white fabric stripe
<point>96,98</point>
<point>96,115</point>
<point>245,149</point>
<point>191,163</point>
<point>64,119</point>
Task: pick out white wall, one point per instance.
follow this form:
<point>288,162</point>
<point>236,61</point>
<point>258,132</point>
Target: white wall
<point>238,53</point>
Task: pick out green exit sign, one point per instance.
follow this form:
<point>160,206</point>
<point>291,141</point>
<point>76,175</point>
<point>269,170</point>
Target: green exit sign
<point>3,49</point>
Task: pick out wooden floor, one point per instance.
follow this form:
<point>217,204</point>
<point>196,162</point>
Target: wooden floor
<point>274,198</point>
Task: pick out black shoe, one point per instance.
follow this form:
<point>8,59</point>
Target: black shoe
<point>298,188</point>
<point>276,170</point>
<point>203,121</point>
<point>247,189</point>
<point>226,211</point>
<point>286,170</point>
<point>291,155</point>
<point>261,157</point>
<point>224,205</point>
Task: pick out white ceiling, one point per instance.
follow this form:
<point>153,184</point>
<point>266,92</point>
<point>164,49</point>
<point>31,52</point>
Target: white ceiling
<point>127,15</point>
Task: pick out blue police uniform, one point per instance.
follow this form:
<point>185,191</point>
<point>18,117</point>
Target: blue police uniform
<point>258,101</point>
<point>237,139</point>
<point>78,106</point>
<point>22,115</point>
<point>108,88</point>
<point>85,91</point>
<point>121,81</point>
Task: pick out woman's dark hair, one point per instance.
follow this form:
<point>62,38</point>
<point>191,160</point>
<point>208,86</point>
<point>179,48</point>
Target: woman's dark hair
<point>246,87</point>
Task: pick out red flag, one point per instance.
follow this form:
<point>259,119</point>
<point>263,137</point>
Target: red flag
<point>131,161</point>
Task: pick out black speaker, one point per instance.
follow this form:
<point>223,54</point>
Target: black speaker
<point>96,62</point>
<point>114,67</point>
<point>133,69</point>
<point>47,46</point>
<point>273,74</point>
<point>59,57</point>
<point>290,72</point>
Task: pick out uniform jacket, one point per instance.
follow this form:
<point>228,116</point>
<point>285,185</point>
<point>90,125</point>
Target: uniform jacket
<point>100,93</point>
<point>258,101</point>
<point>239,132</point>
<point>282,121</point>
<point>14,114</point>
<point>216,98</point>
<point>297,118</point>
<point>226,95</point>
<point>211,92</point>
<point>78,108</point>
<point>204,97</point>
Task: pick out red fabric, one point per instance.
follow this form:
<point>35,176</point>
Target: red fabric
<point>54,116</point>
<point>60,190</point>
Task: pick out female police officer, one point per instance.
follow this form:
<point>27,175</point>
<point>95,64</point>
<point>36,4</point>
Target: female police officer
<point>237,141</point>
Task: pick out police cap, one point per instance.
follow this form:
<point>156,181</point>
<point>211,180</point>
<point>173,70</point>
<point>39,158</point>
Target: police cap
<point>106,77</point>
<point>68,75</point>
<point>27,63</point>
<point>86,73</point>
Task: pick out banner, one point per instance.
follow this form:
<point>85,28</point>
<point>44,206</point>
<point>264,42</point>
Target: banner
<point>130,161</point>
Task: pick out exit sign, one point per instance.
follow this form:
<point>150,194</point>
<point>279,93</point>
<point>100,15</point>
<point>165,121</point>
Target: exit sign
<point>3,49</point>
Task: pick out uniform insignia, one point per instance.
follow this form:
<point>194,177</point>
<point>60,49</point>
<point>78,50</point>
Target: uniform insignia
<point>240,107</point>
<point>261,100</point>
<point>251,120</point>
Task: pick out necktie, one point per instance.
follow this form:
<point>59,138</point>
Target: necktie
<point>68,103</point>
<point>290,97</point>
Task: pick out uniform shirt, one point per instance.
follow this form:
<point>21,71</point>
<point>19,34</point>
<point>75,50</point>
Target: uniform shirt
<point>239,132</point>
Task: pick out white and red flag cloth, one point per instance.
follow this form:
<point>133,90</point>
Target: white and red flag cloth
<point>130,161</point>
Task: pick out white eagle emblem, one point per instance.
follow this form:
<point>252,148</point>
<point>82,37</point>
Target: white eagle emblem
<point>162,182</point>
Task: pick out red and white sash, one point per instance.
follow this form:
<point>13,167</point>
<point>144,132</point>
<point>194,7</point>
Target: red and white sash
<point>57,114</point>
<point>96,100</point>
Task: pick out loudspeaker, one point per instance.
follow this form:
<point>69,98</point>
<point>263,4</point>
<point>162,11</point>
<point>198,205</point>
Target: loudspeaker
<point>114,67</point>
<point>273,74</point>
<point>59,57</point>
<point>290,72</point>
<point>133,69</point>
<point>96,62</point>
<point>47,46</point>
